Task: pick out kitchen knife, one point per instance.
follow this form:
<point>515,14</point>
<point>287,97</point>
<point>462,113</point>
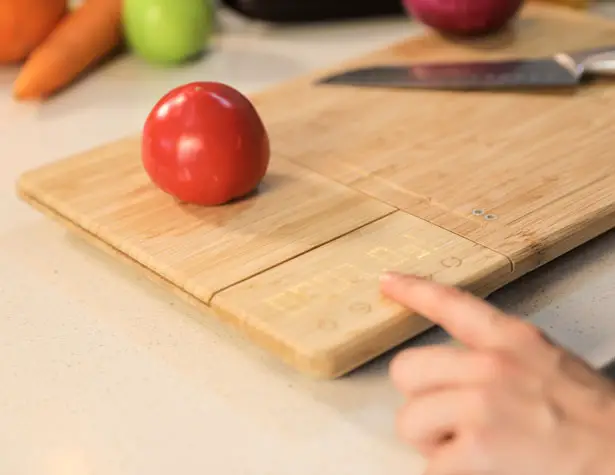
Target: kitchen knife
<point>560,70</point>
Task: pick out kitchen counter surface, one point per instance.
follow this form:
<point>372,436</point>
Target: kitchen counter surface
<point>102,373</point>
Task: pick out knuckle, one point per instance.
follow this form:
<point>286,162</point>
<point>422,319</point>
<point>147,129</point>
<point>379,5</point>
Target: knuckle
<point>559,358</point>
<point>493,366</point>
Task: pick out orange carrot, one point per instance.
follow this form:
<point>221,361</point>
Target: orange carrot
<point>84,37</point>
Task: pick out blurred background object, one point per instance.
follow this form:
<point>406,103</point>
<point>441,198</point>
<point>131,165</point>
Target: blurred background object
<point>167,31</point>
<point>82,38</point>
<point>24,24</point>
<point>56,42</point>
<point>282,11</point>
<point>464,17</point>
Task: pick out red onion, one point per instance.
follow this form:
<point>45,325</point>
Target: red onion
<point>464,17</point>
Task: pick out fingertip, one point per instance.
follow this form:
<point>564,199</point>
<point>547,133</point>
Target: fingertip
<point>402,288</point>
<point>389,276</point>
<point>393,277</point>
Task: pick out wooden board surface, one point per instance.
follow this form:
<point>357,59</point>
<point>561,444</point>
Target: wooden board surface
<point>472,189</point>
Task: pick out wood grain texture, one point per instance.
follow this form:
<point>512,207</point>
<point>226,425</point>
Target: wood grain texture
<point>473,189</point>
<point>541,163</point>
<point>203,250</point>
<point>323,311</point>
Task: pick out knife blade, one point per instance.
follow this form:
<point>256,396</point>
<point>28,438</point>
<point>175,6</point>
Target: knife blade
<point>560,70</point>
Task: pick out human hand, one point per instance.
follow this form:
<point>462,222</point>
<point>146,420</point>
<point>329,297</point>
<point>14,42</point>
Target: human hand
<point>508,403</point>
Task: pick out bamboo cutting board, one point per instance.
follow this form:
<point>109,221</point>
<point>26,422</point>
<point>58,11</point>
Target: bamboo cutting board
<point>470,189</point>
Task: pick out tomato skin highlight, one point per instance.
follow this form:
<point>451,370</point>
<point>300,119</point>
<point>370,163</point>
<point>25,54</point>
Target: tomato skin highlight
<point>205,144</point>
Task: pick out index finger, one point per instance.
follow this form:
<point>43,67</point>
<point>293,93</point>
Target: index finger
<point>467,318</point>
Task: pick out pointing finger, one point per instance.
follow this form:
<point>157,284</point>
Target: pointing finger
<point>469,319</point>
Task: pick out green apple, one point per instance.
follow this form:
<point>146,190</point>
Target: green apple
<point>168,31</point>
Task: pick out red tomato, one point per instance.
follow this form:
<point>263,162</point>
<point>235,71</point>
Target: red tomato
<point>204,143</point>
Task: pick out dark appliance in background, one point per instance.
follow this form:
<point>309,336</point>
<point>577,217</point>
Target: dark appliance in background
<point>300,11</point>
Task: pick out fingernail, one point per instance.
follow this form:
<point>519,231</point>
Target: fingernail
<point>392,276</point>
<point>389,276</point>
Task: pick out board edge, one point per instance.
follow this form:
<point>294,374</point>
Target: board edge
<point>317,368</point>
<point>260,340</point>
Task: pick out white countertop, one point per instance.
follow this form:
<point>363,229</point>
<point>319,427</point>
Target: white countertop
<point>101,373</point>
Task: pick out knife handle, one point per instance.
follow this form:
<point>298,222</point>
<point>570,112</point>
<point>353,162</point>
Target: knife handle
<point>602,64</point>
<point>579,56</point>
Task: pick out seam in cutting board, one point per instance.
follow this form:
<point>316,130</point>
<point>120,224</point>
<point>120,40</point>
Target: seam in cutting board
<point>277,264</point>
<point>510,261</point>
<point>49,210</point>
<point>209,300</point>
